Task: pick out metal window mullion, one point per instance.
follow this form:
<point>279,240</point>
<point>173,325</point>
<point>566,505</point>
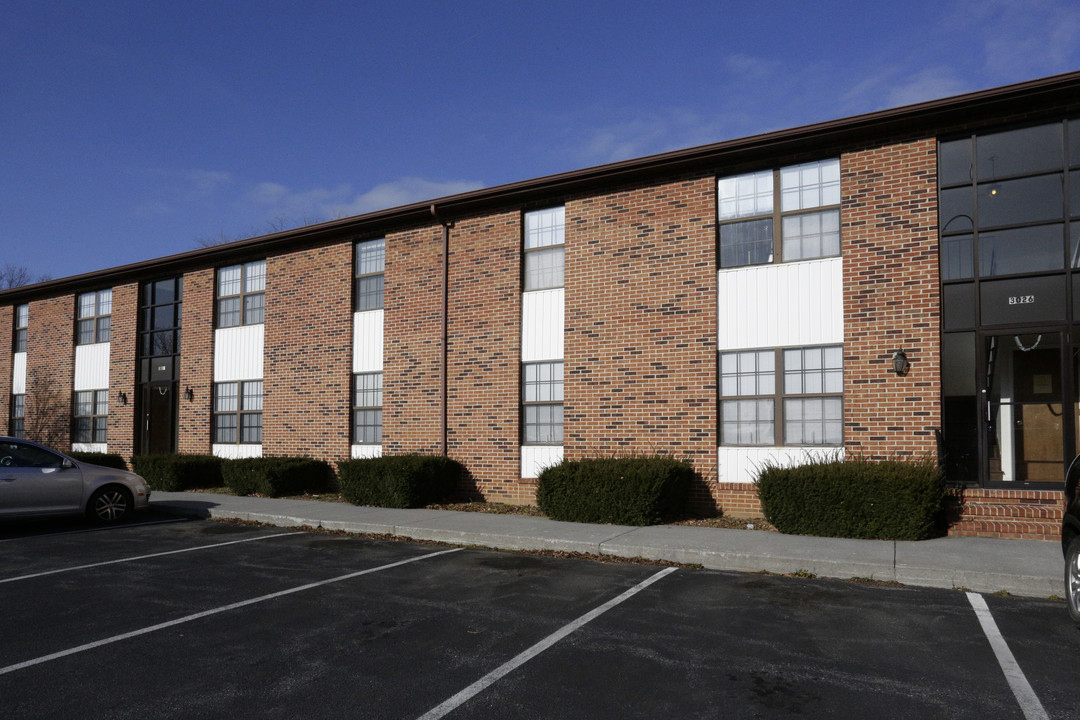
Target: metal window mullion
<point>779,435</point>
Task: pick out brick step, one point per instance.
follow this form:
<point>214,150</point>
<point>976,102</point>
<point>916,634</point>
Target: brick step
<point>1010,511</point>
<point>1014,529</point>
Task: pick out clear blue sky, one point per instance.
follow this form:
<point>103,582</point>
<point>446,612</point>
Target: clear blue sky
<point>131,129</point>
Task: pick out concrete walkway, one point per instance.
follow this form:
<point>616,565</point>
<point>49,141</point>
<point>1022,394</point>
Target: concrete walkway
<point>987,565</point>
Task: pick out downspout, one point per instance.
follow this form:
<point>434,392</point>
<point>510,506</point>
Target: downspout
<point>443,376</point>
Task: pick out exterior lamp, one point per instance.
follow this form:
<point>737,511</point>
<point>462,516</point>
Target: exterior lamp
<point>189,394</point>
<point>900,363</point>
<point>123,398</point>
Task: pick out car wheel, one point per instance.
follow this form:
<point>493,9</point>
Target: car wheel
<point>109,504</point>
<point>1072,579</point>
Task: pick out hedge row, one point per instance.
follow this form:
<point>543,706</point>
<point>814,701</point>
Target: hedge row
<point>175,473</point>
<point>624,491</point>
<point>276,476</point>
<point>399,481</point>
<point>891,500</point>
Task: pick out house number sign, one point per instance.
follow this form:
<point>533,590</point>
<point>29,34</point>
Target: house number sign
<point>1021,299</point>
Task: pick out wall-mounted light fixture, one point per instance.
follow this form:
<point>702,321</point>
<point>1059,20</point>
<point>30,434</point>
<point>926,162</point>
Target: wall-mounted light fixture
<point>900,363</point>
<point>123,398</point>
<point>189,394</point>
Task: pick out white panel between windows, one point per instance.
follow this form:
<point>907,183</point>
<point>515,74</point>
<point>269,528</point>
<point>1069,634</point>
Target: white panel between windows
<point>18,374</point>
<point>238,353</point>
<point>92,366</point>
<point>89,447</point>
<point>368,341</point>
<point>542,323</point>
<point>535,458</point>
<point>234,452</point>
<point>799,303</point>
<point>742,464</point>
<point>359,452</point>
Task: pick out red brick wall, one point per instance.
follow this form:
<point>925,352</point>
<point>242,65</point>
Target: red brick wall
<point>196,362</point>
<point>123,344</point>
<point>307,367</point>
<point>7,326</point>
<point>640,360</point>
<point>890,249</point>
<point>50,371</point>
<point>485,354</point>
<point>412,344</point>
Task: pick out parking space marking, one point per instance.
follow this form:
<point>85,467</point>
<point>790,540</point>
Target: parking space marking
<point>214,611</point>
<point>146,557</point>
<point>1025,695</point>
<point>510,665</point>
<point>96,529</point>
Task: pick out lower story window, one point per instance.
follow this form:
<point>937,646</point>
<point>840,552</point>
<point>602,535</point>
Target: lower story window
<point>238,412</point>
<point>789,396</point>
<point>91,416</point>
<point>17,427</point>
<point>542,403</point>
<point>367,408</point>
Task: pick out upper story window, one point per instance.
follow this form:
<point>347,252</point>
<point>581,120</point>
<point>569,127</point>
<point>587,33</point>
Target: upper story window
<point>789,396</point>
<point>22,324</point>
<point>241,294</point>
<point>94,323</point>
<point>544,248</point>
<point>370,268</point>
<point>1009,201</point>
<point>804,224</point>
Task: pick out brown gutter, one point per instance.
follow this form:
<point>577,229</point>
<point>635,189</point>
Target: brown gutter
<point>443,369</point>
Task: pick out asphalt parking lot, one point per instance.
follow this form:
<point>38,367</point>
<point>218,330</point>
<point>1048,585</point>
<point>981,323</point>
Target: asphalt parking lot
<point>197,619</point>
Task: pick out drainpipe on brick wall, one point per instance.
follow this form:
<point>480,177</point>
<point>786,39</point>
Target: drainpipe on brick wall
<point>446,225</point>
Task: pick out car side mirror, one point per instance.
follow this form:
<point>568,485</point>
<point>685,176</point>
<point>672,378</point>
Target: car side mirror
<point>66,464</point>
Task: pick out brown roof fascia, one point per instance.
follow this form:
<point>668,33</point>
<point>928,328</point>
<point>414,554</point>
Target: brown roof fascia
<point>1010,103</point>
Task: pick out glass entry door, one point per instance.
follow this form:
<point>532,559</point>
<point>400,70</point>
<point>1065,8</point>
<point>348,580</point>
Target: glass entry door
<point>1026,412</point>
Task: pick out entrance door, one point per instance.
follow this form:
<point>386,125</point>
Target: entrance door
<point>1026,421</point>
<point>159,418</point>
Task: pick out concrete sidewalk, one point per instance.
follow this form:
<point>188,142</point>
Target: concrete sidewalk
<point>1021,567</point>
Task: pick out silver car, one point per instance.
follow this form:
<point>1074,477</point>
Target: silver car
<point>35,480</point>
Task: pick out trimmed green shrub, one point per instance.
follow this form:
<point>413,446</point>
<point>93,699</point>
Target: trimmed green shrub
<point>889,500</point>
<point>399,481</point>
<point>623,491</point>
<point>276,476</point>
<point>175,473</point>
<point>110,460</point>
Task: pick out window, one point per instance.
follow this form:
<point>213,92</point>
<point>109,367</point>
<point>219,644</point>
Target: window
<point>91,416</point>
<point>367,408</point>
<point>17,427</point>
<point>241,294</point>
<point>544,251</point>
<point>542,398</point>
<point>238,412</point>
<point>94,323</point>
<point>808,214</point>
<point>808,399</point>
<point>22,322</point>
<point>370,266</point>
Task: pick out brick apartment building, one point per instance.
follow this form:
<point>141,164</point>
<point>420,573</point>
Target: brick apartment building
<point>902,283</point>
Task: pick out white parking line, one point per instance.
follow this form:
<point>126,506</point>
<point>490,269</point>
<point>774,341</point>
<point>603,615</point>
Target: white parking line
<point>214,611</point>
<point>509,666</point>
<point>1029,701</point>
<point>96,529</point>
<point>145,557</point>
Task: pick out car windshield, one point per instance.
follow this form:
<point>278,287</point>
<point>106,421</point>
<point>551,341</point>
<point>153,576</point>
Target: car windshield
<point>20,455</point>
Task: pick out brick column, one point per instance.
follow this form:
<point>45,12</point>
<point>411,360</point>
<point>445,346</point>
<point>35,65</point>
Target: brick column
<point>485,354</point>
<point>307,367</point>
<point>123,346</point>
<point>50,371</point>
<point>7,326</point>
<point>640,355</point>
<point>891,299</point>
<point>196,362</point>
